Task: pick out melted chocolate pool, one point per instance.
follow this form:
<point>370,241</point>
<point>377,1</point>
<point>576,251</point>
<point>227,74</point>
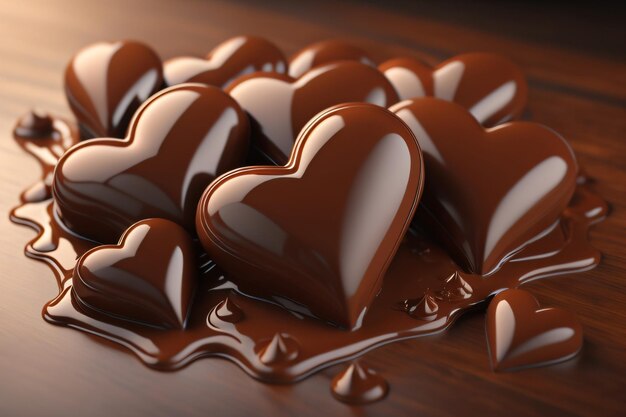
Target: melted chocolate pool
<point>423,292</point>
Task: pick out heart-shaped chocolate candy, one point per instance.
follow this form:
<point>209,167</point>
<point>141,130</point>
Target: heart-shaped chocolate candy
<point>280,106</point>
<point>148,277</point>
<point>178,142</point>
<point>488,192</point>
<point>227,61</point>
<point>490,86</point>
<point>105,83</point>
<point>318,234</point>
<point>325,52</point>
<point>520,334</point>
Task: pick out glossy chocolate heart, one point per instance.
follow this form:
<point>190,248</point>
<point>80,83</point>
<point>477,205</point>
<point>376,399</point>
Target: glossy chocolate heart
<point>490,86</point>
<point>488,192</point>
<point>105,83</point>
<point>318,234</point>
<point>325,52</point>
<point>178,142</point>
<point>148,277</point>
<point>235,57</point>
<point>280,106</point>
<point>520,334</point>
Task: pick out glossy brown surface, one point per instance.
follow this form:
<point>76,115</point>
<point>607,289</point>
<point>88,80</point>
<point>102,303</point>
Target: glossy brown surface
<point>106,82</point>
<point>575,89</point>
<point>279,106</point>
<point>325,52</point>
<point>488,192</point>
<point>230,59</point>
<point>357,384</point>
<point>178,142</point>
<point>148,277</point>
<point>521,334</point>
<point>490,86</point>
<point>305,233</point>
<point>279,344</point>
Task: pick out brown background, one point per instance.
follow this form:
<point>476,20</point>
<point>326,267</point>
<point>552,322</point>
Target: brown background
<point>574,58</point>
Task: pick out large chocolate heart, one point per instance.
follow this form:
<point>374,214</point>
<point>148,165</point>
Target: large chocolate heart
<point>230,59</point>
<point>325,52</point>
<point>178,142</point>
<point>520,334</point>
<point>488,192</point>
<point>318,234</point>
<point>105,83</point>
<point>280,106</point>
<point>148,277</point>
<point>490,86</point>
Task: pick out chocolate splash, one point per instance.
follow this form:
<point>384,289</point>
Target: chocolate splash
<point>420,267</point>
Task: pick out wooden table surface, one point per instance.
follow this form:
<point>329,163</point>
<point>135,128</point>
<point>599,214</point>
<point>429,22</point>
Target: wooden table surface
<point>574,58</point>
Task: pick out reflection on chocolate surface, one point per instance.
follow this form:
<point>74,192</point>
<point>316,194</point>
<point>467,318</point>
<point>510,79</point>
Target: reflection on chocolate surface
<point>232,58</point>
<point>520,334</point>
<point>321,231</point>
<point>149,277</point>
<point>490,86</point>
<point>107,81</point>
<point>279,106</point>
<point>325,52</point>
<point>488,192</point>
<point>178,142</point>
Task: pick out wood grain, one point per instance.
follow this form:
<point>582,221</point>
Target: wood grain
<point>577,89</point>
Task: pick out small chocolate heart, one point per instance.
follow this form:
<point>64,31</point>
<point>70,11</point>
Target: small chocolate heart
<point>148,277</point>
<point>488,192</point>
<point>325,52</point>
<point>520,334</point>
<point>317,235</point>
<point>235,57</point>
<point>280,106</point>
<point>105,83</point>
<point>178,142</point>
<point>490,86</point>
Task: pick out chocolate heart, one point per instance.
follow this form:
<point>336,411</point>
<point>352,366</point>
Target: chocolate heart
<point>148,277</point>
<point>325,52</point>
<point>280,106</point>
<point>178,142</point>
<point>488,192</point>
<point>106,82</point>
<point>230,59</point>
<point>490,86</point>
<point>520,334</point>
<point>318,234</point>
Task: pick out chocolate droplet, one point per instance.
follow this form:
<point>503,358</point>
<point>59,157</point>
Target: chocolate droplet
<point>359,385</point>
<point>34,124</point>
<point>455,288</point>
<point>424,308</point>
<point>280,348</point>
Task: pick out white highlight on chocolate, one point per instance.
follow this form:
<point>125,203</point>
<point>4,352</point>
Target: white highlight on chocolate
<point>371,207</point>
<point>494,102</point>
<point>446,80</point>
<point>406,83</point>
<point>527,192</point>
<point>505,329</point>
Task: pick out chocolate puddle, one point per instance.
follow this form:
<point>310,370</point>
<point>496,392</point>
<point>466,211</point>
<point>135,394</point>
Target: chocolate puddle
<point>423,293</point>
